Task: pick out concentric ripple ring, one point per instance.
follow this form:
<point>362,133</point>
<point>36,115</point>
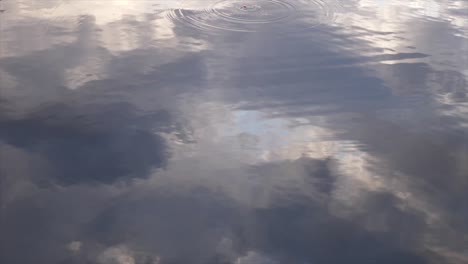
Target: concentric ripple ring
<point>263,11</point>
<point>252,15</point>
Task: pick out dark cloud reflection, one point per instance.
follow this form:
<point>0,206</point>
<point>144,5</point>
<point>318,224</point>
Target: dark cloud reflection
<point>162,223</point>
<point>99,145</point>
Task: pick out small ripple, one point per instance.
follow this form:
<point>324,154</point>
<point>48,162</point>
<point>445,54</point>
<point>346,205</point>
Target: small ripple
<point>253,16</point>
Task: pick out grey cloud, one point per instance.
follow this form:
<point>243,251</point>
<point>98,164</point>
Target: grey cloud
<point>92,137</point>
<point>179,227</point>
<point>293,228</point>
<point>302,233</point>
<point>83,146</point>
<point>296,228</point>
<point>105,130</point>
<point>318,175</point>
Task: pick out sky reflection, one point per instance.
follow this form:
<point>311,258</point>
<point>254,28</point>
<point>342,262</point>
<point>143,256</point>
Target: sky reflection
<point>132,135</point>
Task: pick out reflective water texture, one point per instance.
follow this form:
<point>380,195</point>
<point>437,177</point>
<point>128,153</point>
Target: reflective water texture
<point>234,131</point>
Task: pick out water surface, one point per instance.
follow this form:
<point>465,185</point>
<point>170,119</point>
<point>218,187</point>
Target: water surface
<point>234,131</point>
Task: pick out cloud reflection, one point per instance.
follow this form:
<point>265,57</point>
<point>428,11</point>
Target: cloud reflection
<point>131,139</point>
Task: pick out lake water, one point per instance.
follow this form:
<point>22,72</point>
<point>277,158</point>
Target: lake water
<point>234,131</point>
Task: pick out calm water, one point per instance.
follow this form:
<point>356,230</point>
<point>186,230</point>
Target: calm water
<point>234,131</point>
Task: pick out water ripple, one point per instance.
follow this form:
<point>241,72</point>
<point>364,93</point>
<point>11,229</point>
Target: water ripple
<point>246,16</point>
